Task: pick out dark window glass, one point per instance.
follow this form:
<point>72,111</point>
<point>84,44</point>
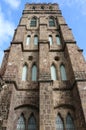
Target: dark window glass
<point>69,123</point>
<point>63,72</point>
<point>42,7</point>
<point>34,73</point>
<point>33,7</point>
<point>24,73</point>
<point>35,40</point>
<point>32,123</point>
<point>33,22</point>
<point>53,73</point>
<point>58,41</point>
<point>59,123</point>
<point>21,123</point>
<point>51,22</point>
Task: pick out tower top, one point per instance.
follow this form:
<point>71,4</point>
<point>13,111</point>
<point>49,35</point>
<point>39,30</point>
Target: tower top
<point>41,6</point>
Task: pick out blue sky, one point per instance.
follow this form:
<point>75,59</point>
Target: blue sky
<point>74,12</point>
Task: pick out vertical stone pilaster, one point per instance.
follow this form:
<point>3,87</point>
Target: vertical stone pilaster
<point>44,65</point>
<point>46,107</point>
<point>46,101</point>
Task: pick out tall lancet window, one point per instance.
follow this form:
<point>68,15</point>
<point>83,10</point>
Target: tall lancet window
<point>58,41</point>
<point>63,72</point>
<point>53,73</point>
<point>34,73</point>
<point>69,123</point>
<point>51,22</point>
<point>21,123</point>
<point>28,40</point>
<point>50,40</point>
<point>24,73</point>
<point>59,123</point>
<point>35,40</point>
<point>32,123</point>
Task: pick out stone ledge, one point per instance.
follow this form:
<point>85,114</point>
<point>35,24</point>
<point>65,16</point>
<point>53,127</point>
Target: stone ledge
<point>62,85</point>
<point>80,75</point>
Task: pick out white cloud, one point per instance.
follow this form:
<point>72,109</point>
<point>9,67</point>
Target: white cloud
<point>13,3</point>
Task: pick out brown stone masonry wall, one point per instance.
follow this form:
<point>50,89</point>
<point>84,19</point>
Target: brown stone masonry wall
<point>44,98</point>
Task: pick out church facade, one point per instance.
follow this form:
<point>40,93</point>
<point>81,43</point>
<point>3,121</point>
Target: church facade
<point>43,74</point>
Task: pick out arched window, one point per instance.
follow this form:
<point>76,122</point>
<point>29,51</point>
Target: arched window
<point>58,41</point>
<point>50,40</point>
<point>28,40</point>
<point>33,7</point>
<point>21,123</point>
<point>33,22</point>
<point>34,73</point>
<point>69,123</point>
<point>42,7</point>
<point>63,72</point>
<point>59,123</point>
<point>24,73</point>
<point>35,40</point>
<point>53,73</point>
<point>32,123</point>
<point>51,22</point>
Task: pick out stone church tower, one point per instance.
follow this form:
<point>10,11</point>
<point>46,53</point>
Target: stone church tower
<point>43,74</point>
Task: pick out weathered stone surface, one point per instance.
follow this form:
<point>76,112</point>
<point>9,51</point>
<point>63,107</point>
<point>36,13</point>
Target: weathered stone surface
<point>44,98</point>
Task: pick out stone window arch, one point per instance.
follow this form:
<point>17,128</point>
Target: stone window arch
<point>24,72</point>
<point>33,22</point>
<point>53,72</point>
<point>28,40</point>
<point>42,7</point>
<point>69,123</point>
<point>59,123</point>
<point>34,72</point>
<point>50,40</point>
<point>32,123</point>
<point>51,21</point>
<point>21,123</point>
<point>35,40</point>
<point>63,72</point>
<point>33,7</point>
<point>58,40</point>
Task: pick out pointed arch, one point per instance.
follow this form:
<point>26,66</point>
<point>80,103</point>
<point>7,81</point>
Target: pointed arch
<point>33,22</point>
<point>34,72</point>
<point>69,123</point>
<point>50,40</point>
<point>58,40</point>
<point>24,72</point>
<point>51,21</point>
<point>63,72</point>
<point>35,40</point>
<point>53,72</point>
<point>28,40</point>
<point>21,123</point>
<point>59,123</point>
<point>32,123</point>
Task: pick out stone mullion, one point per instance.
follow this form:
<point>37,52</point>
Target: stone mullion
<point>26,124</point>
